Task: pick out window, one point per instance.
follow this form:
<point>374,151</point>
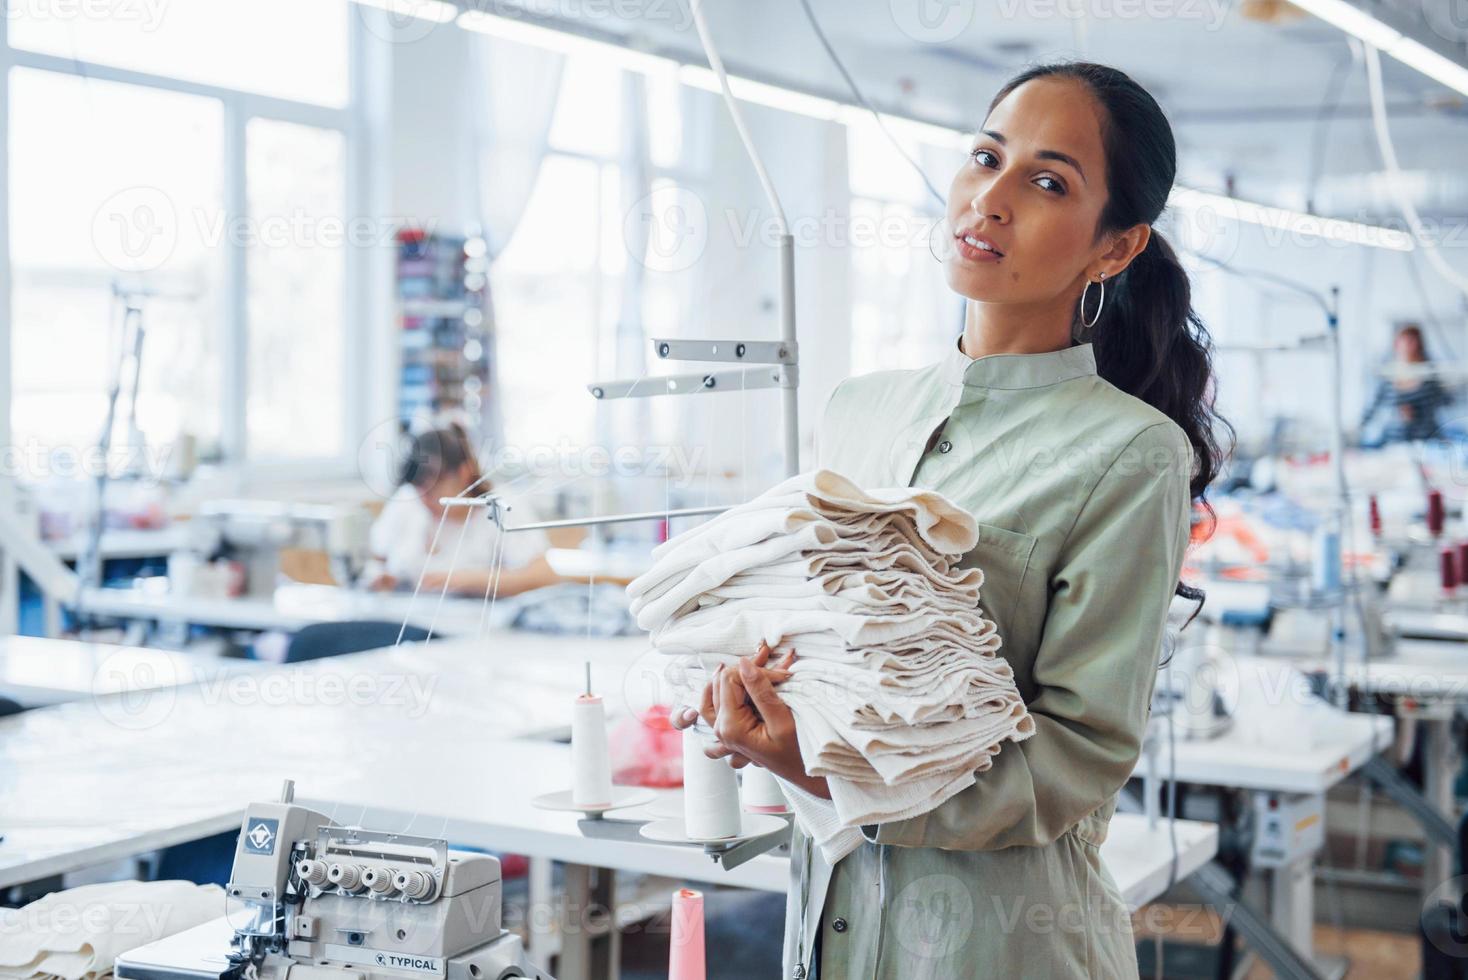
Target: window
<point>296,238</point>
<point>558,284</point>
<point>281,48</point>
<point>205,185</point>
<point>112,187</point>
<point>903,314</point>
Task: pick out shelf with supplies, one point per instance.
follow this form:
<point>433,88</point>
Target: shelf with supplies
<point>445,331</point>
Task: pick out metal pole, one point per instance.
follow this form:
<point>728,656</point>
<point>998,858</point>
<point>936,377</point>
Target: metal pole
<point>790,402</point>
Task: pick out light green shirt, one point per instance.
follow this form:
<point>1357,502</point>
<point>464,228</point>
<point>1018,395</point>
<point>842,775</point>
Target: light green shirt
<point>1081,493</point>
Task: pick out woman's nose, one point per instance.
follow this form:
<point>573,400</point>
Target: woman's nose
<point>988,204</point>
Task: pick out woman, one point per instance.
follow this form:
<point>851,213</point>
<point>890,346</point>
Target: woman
<point>1413,397</point>
<point>441,463</point>
<point>1072,419</point>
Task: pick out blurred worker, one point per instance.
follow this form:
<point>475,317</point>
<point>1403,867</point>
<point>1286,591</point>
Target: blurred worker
<point>1410,393</point>
<point>441,463</point>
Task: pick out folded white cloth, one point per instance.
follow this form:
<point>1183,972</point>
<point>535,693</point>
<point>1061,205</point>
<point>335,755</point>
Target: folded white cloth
<point>80,932</point>
<point>898,691</point>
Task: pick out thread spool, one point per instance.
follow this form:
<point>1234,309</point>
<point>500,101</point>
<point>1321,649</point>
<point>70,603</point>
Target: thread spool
<point>1462,562</point>
<point>1325,572</point>
<point>1373,516</point>
<point>1436,515</point>
<point>760,791</point>
<point>379,880</point>
<point>710,792</point>
<point>686,954</point>
<point>591,767</point>
<point>312,872</point>
<point>414,884</point>
<point>346,876</point>
<point>1448,570</point>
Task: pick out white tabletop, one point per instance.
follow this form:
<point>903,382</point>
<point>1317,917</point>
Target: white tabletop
<point>1249,754</point>
<point>36,672</point>
<point>428,740</point>
<point>293,607</point>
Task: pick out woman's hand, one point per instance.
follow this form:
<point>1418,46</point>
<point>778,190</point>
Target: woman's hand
<point>708,709</point>
<point>752,724</point>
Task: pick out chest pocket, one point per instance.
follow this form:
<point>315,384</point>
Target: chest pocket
<point>1005,557</point>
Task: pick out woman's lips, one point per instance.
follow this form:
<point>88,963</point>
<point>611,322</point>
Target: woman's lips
<point>973,253</point>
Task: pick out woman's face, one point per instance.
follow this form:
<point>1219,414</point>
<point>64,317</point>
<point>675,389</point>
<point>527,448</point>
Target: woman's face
<point>1033,186</point>
<point>1409,347</point>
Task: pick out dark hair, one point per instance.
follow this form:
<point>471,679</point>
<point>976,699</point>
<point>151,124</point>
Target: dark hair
<point>1147,340</point>
<point>433,453</point>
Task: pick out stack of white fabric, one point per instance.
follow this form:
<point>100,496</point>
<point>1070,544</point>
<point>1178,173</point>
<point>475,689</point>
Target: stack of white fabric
<point>898,694</point>
<point>77,934</point>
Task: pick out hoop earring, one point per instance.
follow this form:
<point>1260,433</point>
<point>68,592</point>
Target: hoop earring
<point>936,225</point>
<point>1088,324</point>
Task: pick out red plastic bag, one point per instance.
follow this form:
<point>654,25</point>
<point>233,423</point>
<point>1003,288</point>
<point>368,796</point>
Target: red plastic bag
<point>647,750</point>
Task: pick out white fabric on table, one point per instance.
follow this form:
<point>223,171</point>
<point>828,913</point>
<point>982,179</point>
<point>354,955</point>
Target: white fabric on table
<point>79,933</point>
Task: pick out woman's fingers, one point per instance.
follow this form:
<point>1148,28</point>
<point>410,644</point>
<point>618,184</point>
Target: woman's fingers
<point>682,717</point>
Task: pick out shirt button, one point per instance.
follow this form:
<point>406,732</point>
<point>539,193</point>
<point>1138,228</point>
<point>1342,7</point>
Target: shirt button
<point>839,925</point>
<point>945,446</point>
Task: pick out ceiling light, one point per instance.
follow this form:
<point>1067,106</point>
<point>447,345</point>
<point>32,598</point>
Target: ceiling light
<point>436,11</point>
<point>1297,222</point>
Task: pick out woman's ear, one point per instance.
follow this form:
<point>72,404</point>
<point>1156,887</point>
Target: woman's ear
<point>1125,247</point>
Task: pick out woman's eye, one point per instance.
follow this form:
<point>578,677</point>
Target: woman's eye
<point>979,156</point>
<point>1057,186</point>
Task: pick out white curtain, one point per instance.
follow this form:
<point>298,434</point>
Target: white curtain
<point>515,88</point>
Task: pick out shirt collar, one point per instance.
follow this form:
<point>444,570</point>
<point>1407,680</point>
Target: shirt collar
<point>1018,370</point>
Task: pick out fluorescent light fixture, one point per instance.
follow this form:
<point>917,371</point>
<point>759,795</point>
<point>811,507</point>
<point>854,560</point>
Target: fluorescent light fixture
<point>1417,55</point>
<point>1412,53</point>
<point>436,11</point>
<point>562,42</point>
<point>1298,222</point>
<point>761,93</point>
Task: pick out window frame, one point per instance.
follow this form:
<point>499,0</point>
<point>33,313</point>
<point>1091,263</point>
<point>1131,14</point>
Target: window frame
<point>365,319</point>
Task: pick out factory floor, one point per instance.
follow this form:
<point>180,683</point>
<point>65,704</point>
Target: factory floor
<point>1372,954</point>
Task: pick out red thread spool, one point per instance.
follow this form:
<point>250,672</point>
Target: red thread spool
<point>1463,562</point>
<point>1374,517</point>
<point>1448,568</point>
<point>1435,512</point>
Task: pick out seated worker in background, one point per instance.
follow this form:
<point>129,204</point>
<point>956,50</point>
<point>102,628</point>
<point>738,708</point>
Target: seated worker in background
<point>441,463</point>
<point>1412,397</point>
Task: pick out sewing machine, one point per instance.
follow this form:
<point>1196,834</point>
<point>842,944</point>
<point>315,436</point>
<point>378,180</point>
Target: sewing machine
<point>258,532</point>
<point>309,900</point>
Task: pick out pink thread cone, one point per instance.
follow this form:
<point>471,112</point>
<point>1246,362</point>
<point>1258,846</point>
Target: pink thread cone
<point>685,957</point>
